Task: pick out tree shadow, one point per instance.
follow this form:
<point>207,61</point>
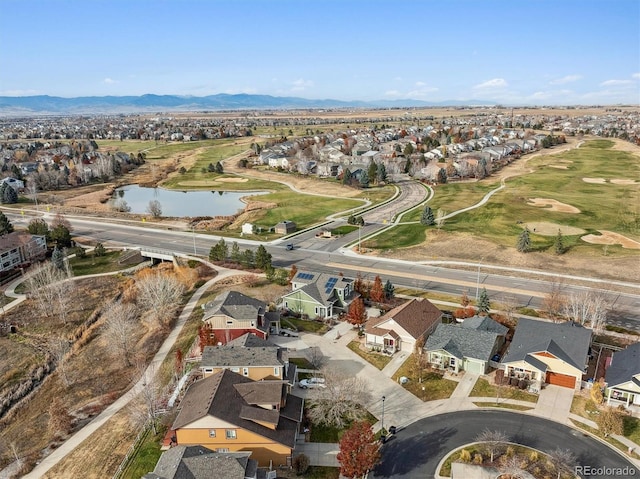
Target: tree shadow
<point>404,455</point>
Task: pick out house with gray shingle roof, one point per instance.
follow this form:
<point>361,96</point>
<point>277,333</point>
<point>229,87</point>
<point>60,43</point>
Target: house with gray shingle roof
<point>468,346</point>
<point>552,353</point>
<point>233,314</point>
<point>623,377</point>
<point>228,412</point>
<point>400,328</point>
<point>197,462</point>
<point>250,356</point>
<point>319,295</point>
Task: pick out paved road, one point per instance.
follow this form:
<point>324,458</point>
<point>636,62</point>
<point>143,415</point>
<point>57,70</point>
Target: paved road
<point>434,277</point>
<point>416,450</point>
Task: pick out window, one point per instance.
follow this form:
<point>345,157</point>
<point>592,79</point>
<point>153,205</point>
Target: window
<point>208,370</point>
<point>452,361</point>
<point>276,372</point>
<point>222,449</point>
<point>231,434</point>
<point>286,304</point>
<point>235,370</point>
<point>212,433</point>
<point>229,322</point>
<point>245,371</point>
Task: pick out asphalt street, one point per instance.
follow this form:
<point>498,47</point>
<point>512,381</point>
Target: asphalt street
<point>415,451</point>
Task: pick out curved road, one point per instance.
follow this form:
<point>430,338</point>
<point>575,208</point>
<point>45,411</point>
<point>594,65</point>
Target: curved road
<point>416,450</point>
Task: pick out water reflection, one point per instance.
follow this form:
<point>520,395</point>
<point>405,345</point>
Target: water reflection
<point>182,203</point>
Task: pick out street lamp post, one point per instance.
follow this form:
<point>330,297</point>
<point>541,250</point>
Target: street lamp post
<point>478,283</point>
<point>382,419</point>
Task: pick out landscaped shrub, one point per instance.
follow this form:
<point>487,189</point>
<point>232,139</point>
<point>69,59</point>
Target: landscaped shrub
<point>301,463</point>
<point>465,456</point>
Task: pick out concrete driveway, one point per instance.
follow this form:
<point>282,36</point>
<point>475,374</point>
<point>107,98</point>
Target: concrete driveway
<point>554,402</point>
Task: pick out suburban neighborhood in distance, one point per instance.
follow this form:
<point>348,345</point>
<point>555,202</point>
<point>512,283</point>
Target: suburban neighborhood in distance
<point>320,240</point>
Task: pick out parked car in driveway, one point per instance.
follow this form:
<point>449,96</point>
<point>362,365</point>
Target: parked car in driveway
<point>288,332</point>
<point>312,383</point>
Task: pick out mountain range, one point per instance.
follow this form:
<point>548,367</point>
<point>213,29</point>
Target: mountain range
<point>53,105</point>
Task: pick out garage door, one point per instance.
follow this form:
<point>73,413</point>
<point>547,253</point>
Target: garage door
<point>561,380</point>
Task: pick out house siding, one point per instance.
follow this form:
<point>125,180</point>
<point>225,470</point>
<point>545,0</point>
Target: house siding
<point>301,303</point>
<point>263,450</point>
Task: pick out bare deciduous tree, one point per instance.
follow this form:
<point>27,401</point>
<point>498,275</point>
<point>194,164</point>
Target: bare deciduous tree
<point>513,467</point>
<point>41,283</point>
<point>154,208</point>
<point>587,307</point>
<point>492,441</point>
<point>340,401</point>
<point>161,294</point>
<point>509,305</point>
<point>440,218</point>
<point>555,299</point>
<point>315,357</point>
<point>563,461</point>
<point>120,326</point>
<point>147,408</point>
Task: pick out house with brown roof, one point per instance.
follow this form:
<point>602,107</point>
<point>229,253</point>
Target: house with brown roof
<point>233,314</point>
<point>403,326</point>
<point>227,412</point>
<point>251,356</point>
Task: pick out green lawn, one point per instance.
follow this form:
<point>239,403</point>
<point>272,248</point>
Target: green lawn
<point>343,230</point>
<point>331,434</point>
<point>302,363</point>
<point>425,385</point>
<point>398,237</point>
<point>482,388</point>
<point>378,360</point>
<point>92,264</point>
<point>632,429</point>
<point>304,325</point>
<point>146,457</point>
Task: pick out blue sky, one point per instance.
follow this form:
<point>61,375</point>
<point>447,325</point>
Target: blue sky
<point>507,51</point>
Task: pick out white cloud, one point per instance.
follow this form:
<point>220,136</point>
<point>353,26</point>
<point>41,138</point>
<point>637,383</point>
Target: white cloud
<point>615,82</point>
<point>636,76</point>
<point>301,84</point>
<point>397,79</point>
<point>394,93</point>
<point>109,81</point>
<point>420,84</point>
<point>494,83</point>
<point>565,79</point>
<point>421,92</point>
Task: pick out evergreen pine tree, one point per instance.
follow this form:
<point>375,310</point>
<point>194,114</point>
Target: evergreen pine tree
<point>428,218</point>
<point>3,188</point>
<point>389,290</point>
<point>483,302</point>
<point>524,242</point>
<point>559,243</point>
<point>263,258</point>
<point>364,180</point>
<point>9,195</point>
<point>57,258</point>
<point>5,225</point>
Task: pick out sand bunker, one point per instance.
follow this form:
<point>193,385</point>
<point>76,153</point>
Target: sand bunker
<point>620,181</point>
<point>594,180</point>
<point>559,167</point>
<point>609,237</point>
<point>552,205</point>
<point>232,180</point>
<point>545,228</point>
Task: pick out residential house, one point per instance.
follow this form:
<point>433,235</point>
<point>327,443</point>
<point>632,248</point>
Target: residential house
<point>553,353</point>
<point>285,227</point>
<point>228,412</point>
<point>197,462</point>
<point>400,328</point>
<point>233,314</point>
<point>14,183</point>
<point>251,356</point>
<point>468,346</point>
<point>21,248</point>
<point>623,377</point>
<point>319,295</point>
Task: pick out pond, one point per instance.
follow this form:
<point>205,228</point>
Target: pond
<point>182,203</point>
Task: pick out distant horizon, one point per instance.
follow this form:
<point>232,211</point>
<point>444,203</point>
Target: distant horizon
<point>477,102</point>
<point>529,52</point>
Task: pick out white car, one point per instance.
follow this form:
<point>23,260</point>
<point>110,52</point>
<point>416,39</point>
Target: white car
<point>312,383</point>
